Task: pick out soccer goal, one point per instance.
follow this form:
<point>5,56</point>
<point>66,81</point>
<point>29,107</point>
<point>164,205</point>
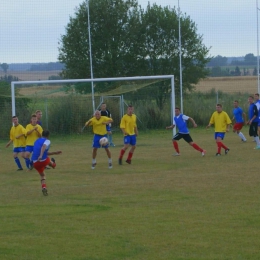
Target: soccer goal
<point>67,104</point>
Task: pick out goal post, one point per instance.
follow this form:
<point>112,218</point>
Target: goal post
<point>15,84</point>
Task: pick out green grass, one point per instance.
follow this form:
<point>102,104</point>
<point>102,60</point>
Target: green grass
<point>160,207</point>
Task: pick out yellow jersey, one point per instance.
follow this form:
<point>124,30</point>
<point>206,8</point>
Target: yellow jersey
<point>128,123</point>
<point>220,120</point>
<point>15,131</point>
<point>31,138</point>
<point>98,127</point>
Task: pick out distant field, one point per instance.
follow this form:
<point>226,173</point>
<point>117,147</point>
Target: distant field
<point>229,84</point>
<point>32,75</point>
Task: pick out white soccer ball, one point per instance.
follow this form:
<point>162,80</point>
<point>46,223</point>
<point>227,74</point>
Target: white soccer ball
<point>103,141</point>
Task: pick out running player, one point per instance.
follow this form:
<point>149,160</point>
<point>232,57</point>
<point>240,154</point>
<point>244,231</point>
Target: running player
<point>180,121</point>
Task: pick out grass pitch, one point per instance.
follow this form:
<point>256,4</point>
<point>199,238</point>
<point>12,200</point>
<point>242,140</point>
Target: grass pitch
<point>160,207</point>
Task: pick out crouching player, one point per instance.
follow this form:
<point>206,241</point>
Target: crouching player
<point>40,157</point>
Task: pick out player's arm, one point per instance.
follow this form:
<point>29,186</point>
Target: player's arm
<point>109,121</point>
<point>255,114</point>
<point>18,136</point>
<point>8,144</point>
<point>211,121</point>
<point>88,122</point>
<point>244,117</point>
<point>170,127</point>
<point>193,122</point>
<point>52,153</point>
<point>38,130</point>
<point>136,130</point>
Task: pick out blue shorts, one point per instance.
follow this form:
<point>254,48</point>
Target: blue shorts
<point>130,139</point>
<point>219,134</point>
<point>29,148</point>
<point>96,143</point>
<point>19,149</point>
<point>108,128</point>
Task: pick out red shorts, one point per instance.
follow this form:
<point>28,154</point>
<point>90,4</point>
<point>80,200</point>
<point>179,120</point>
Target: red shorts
<point>40,166</point>
<point>238,126</point>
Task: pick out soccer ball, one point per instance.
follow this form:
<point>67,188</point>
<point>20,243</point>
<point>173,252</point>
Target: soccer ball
<point>103,141</point>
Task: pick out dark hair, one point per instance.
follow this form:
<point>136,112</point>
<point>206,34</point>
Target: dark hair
<point>14,116</point>
<point>256,94</point>
<point>236,101</point>
<point>45,133</point>
<point>177,108</point>
<point>33,115</point>
<point>219,105</point>
<point>251,97</point>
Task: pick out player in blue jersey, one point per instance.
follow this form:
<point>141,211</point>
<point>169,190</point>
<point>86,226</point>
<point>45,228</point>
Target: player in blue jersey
<point>253,121</point>
<point>40,157</point>
<point>257,103</point>
<point>180,121</point>
<point>240,120</point>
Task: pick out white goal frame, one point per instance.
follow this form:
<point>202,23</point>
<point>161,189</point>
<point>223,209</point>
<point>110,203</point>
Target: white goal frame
<point>171,77</point>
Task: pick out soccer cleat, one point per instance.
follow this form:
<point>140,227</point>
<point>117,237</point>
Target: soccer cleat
<point>203,153</point>
<point>218,154</point>
<point>53,163</point>
<point>128,161</point>
<point>20,169</point>
<point>120,161</point>
<point>110,166</point>
<point>257,147</point>
<point>93,166</point>
<point>176,154</point>
<point>226,151</point>
<point>44,192</point>
<point>112,145</point>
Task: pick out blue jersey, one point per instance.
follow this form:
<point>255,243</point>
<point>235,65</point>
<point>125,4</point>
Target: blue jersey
<point>238,114</point>
<point>180,122</point>
<point>257,103</point>
<point>252,111</point>
<point>37,149</point>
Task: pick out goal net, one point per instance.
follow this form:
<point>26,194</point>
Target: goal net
<point>68,104</point>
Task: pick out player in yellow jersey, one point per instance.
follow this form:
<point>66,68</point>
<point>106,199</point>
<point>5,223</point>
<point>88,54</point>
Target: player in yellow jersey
<point>99,123</point>
<point>130,131</point>
<point>33,132</point>
<point>17,137</point>
<point>222,124</point>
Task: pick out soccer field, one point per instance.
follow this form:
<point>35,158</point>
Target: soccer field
<point>159,207</point>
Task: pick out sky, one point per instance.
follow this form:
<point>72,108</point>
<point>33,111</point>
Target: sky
<point>31,29</point>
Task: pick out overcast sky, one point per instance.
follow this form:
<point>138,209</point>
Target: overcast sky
<point>30,29</point>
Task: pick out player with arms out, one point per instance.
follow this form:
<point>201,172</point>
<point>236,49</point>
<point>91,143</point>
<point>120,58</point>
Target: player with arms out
<point>240,120</point>
<point>17,137</point>
<point>33,132</point>
<point>130,131</point>
<point>222,122</point>
<point>99,123</point>
<point>40,157</point>
<point>180,121</point>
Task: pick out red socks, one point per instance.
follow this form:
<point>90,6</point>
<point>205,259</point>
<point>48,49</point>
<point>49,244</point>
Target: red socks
<point>195,146</point>
<point>122,152</point>
<point>176,147</point>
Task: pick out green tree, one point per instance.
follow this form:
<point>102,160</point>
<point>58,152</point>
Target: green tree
<point>129,41</point>
<point>4,67</point>
<point>250,59</point>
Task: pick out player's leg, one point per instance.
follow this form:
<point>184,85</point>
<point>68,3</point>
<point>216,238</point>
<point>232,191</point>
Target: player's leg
<point>27,154</point>
<point>94,155</point>
<point>237,129</point>
<point>189,140</point>
<point>219,140</point>
<point>39,167</point>
<point>254,132</point>
<point>176,138</point>
<point>109,157</point>
<point>16,159</point>
<point>133,146</point>
<point>123,150</point>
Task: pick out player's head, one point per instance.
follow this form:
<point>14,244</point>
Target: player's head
<point>38,114</point>
<point>97,114</point>
<point>45,133</point>
<point>103,106</point>
<point>34,119</point>
<point>130,110</point>
<point>15,120</point>
<point>235,103</point>
<point>250,99</point>
<point>219,108</point>
<point>177,111</point>
<point>256,96</point>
